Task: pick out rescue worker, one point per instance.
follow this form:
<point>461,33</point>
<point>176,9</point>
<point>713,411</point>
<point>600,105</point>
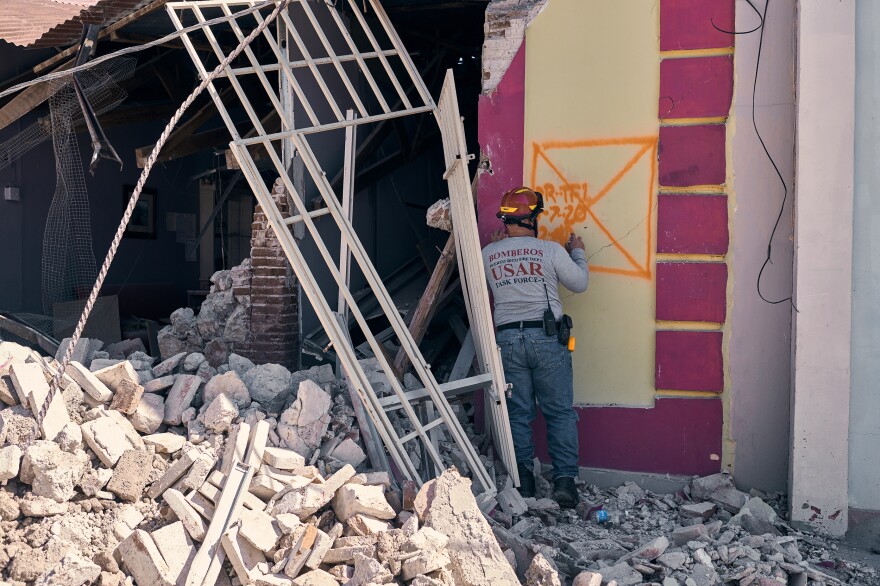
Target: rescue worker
<point>524,272</point>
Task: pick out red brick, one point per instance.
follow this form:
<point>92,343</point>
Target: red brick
<point>693,155</point>
<point>689,361</point>
<point>688,24</point>
<point>692,224</point>
<point>691,291</point>
<point>696,88</point>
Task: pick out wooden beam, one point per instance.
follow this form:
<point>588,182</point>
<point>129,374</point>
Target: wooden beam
<point>428,303</point>
<point>28,99</point>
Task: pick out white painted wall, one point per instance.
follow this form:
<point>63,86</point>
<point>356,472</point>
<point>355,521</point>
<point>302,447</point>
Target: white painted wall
<point>864,425</point>
<point>823,265</point>
<point>760,333</point>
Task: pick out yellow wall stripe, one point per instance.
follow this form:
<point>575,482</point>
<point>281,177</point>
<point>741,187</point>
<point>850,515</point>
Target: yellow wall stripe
<point>673,257</point>
<point>685,53</point>
<point>693,121</point>
<point>700,326</point>
<point>666,394</point>
<point>698,189</point>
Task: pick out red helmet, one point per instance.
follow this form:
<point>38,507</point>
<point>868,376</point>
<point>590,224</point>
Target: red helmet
<point>520,203</point>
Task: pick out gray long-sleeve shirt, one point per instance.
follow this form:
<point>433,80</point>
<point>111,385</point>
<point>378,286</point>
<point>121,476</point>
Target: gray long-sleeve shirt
<point>518,269</point>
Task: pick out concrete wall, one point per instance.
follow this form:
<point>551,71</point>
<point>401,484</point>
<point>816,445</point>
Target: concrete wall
<point>591,91</point>
<point>864,425</point>
<point>760,333</point>
<point>823,266</point>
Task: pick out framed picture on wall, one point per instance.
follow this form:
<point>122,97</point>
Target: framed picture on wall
<point>143,218</point>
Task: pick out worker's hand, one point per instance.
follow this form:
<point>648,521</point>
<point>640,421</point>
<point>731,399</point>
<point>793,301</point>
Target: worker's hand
<point>498,235</point>
<point>574,242</point>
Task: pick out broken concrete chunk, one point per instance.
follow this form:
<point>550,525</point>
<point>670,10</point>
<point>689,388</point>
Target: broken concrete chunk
<point>180,397</point>
<point>10,461</point>
<point>107,439</point>
<point>33,391</point>
<point>649,551</point>
<point>88,382</point>
<point>623,573</point>
<point>112,376</point>
<point>192,521</point>
<point>259,529</point>
<point>7,390</point>
<point>52,473</point>
<point>172,474</point>
<point>144,561</point>
<point>40,506</point>
<point>587,579</point>
<point>94,480</point>
<point>316,578</point>
<point>166,442</point>
<point>228,384</point>
<point>542,572</point>
<point>70,437</point>
<point>130,475</point>
<point>198,472</point>
<point>148,415</point>
<point>127,396</point>
<point>157,385</point>
<point>365,525</point>
<point>177,549</point>
<point>512,502</point>
<point>448,505</point>
<point>352,499</point>
<point>269,384</point>
<point>369,571</point>
<point>243,556</point>
<point>220,414</point>
<point>697,511</point>
<point>308,500</point>
<point>349,452</point>
<point>702,488</point>
<point>128,429</point>
<point>71,570</point>
<point>283,459</point>
<point>167,367</point>
<point>303,425</point>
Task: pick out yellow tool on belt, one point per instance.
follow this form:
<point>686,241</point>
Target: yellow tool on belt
<point>571,343</point>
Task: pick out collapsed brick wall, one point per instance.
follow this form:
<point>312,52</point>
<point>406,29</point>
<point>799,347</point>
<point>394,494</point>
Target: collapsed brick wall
<point>274,291</point>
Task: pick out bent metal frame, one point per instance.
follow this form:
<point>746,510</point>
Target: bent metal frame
<point>312,47</point>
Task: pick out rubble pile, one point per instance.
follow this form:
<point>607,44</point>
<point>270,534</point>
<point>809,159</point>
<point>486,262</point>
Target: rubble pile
<point>707,534</point>
<point>124,479</point>
<point>222,324</point>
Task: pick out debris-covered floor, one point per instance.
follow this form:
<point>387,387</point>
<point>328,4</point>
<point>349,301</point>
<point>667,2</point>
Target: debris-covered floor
<point>127,490</point>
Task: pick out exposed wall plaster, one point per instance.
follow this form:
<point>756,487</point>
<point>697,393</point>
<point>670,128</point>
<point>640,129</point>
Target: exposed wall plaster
<point>504,30</point>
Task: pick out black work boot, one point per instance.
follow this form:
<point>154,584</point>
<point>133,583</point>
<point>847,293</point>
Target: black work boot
<point>526,481</point>
<point>565,492</point>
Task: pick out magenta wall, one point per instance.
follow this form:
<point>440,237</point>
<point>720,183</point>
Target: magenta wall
<point>680,434</point>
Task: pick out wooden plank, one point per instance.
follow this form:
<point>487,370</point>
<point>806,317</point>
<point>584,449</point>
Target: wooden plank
<point>428,303</point>
<point>465,359</point>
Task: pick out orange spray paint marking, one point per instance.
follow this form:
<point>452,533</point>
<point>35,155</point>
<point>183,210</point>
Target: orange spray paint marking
<point>569,204</point>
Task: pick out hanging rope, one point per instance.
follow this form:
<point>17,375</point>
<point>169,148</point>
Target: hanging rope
<point>148,166</point>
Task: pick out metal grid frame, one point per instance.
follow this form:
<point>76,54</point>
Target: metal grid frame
<point>324,116</point>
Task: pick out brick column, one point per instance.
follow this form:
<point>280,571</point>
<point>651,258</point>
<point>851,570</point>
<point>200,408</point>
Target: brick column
<point>274,292</point>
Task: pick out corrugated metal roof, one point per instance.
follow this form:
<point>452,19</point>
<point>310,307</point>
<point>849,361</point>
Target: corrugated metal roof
<point>54,23</point>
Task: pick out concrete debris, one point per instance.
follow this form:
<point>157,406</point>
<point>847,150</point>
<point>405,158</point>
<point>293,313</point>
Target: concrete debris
<point>102,504</point>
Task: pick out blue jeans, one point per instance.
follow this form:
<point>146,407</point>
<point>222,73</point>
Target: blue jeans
<point>539,368</point>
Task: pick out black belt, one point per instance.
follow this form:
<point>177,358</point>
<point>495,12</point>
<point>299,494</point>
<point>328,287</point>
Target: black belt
<point>521,325</point>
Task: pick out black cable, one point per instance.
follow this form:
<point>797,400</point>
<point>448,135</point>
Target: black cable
<point>768,260</point>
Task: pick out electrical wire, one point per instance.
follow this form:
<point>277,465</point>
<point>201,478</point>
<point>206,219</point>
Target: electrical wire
<point>769,259</point>
<point>129,50</point>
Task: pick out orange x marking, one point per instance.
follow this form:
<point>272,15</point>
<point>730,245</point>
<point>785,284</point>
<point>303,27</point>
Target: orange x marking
<point>569,204</point>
